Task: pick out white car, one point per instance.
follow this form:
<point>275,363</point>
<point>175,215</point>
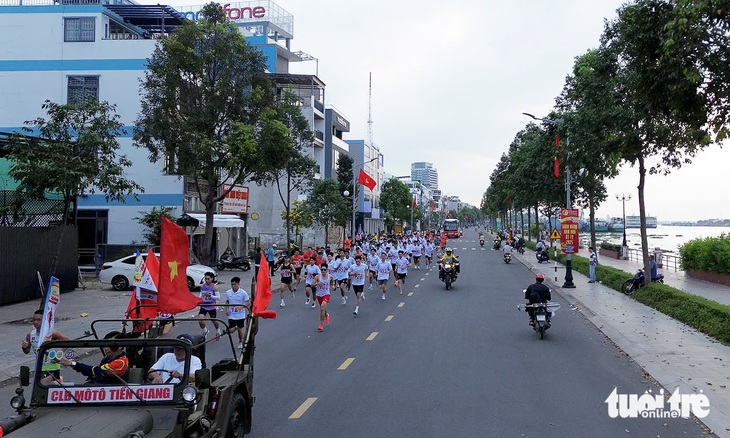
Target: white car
<point>120,273</point>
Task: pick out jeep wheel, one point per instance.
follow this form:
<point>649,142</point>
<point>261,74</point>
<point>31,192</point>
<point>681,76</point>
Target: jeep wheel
<point>239,423</point>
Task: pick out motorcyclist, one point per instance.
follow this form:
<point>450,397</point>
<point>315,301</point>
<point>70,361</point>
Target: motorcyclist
<point>497,241</point>
<point>537,293</point>
<point>519,243</point>
<point>449,257</point>
<point>507,248</point>
<point>540,245</point>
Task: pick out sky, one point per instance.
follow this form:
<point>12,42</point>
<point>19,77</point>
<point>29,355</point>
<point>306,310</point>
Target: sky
<point>451,79</point>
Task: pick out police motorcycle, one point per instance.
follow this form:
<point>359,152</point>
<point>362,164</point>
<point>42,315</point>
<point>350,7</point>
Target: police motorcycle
<point>449,271</point>
<point>497,243</point>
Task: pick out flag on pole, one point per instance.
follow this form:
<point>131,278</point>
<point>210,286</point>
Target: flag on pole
<point>432,206</point>
<point>143,303</point>
<point>48,324</point>
<point>558,161</point>
<point>414,202</point>
<point>364,180</point>
<point>263,292</point>
<point>173,295</point>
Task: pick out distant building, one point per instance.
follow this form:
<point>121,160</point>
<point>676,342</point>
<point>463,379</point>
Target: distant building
<point>369,217</point>
<point>426,174</point>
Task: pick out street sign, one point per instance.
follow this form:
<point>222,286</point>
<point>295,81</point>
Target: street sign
<point>236,201</point>
<point>555,235</point>
<point>569,226</point>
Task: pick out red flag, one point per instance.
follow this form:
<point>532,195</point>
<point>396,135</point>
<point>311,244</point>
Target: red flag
<point>143,303</point>
<point>173,295</point>
<point>432,206</point>
<point>365,180</point>
<point>263,292</point>
<point>556,163</point>
<point>414,202</point>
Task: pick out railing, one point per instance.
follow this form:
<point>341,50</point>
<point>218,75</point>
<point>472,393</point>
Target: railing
<point>63,2</point>
<point>318,105</point>
<point>666,261</point>
<point>319,135</point>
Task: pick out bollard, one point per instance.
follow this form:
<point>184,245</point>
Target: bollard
<point>556,271</point>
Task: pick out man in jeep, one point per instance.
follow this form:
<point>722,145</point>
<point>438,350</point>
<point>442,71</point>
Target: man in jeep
<point>113,365</point>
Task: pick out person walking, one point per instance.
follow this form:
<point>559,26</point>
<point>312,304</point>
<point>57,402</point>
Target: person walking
<point>270,258</point>
<point>592,263</point>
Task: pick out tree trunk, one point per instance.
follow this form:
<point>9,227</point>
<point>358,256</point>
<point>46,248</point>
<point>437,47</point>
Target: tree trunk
<point>205,251</point>
<point>642,214</point>
<point>592,218</point>
<point>288,212</point>
<point>326,234</point>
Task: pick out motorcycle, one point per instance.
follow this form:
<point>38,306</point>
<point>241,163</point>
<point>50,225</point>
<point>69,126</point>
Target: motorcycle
<point>637,282</point>
<point>497,244</point>
<point>520,246</point>
<point>542,314</point>
<point>542,256</point>
<point>448,273</point>
<point>507,257</point>
<point>481,242</point>
<point>230,261</point>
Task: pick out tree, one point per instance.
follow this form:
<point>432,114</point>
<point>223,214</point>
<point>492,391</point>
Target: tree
<point>152,220</point>
<point>297,172</point>
<point>299,216</point>
<point>208,110</point>
<point>75,153</point>
<point>327,205</point>
<point>396,199</point>
<point>344,180</point>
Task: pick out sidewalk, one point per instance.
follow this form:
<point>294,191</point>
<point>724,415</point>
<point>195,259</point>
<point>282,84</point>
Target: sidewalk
<point>673,353</point>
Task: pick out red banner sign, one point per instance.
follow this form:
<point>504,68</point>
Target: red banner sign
<point>110,394</point>
<point>569,230</point>
<point>236,201</point>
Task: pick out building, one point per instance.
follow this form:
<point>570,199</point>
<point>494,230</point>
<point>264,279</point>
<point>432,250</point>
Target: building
<point>426,174</point>
<point>368,216</point>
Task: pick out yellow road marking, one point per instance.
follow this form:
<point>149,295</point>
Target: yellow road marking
<point>303,408</point>
<point>401,304</point>
<point>388,318</point>
<point>346,363</point>
<point>410,294</point>
<point>372,336</point>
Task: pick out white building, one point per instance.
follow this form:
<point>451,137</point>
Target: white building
<point>425,173</point>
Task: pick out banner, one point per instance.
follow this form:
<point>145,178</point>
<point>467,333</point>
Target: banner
<point>48,325</point>
<point>569,230</point>
<point>111,394</point>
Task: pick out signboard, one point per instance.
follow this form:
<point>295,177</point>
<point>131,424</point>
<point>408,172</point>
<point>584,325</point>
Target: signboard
<point>555,235</point>
<point>241,12</point>
<point>569,228</point>
<point>236,201</point>
<point>110,394</point>
<point>53,296</point>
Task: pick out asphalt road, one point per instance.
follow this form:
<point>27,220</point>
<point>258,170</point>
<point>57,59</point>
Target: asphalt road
<point>437,363</point>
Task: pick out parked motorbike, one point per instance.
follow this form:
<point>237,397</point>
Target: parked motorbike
<point>542,256</point>
<point>637,282</point>
<point>542,314</point>
<point>231,261</point>
<point>448,273</point>
<point>507,257</point>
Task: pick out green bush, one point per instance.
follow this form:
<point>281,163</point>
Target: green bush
<point>610,246</point>
<point>710,254</point>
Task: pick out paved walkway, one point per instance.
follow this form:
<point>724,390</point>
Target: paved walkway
<point>674,354</point>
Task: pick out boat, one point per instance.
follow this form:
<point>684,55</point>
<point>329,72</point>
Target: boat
<point>601,226</point>
<point>616,224</point>
<point>635,222</point>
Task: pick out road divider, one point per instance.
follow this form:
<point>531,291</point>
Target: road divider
<point>372,336</point>
<point>401,304</point>
<point>388,318</point>
<point>303,408</point>
<point>346,364</point>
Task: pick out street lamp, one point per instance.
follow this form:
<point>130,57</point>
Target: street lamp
<point>568,262</point>
<point>623,199</point>
<point>354,191</point>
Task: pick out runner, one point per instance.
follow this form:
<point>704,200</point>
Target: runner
<point>384,269</point>
<point>238,301</point>
<point>322,283</point>
<point>443,241</point>
<point>402,263</point>
<point>339,271</point>
<point>357,273</point>
<point>348,260</point>
<point>373,261</point>
<point>416,251</point>
<point>287,272</point>
<point>428,253</point>
<point>210,295</point>
<point>297,263</point>
<point>310,271</point>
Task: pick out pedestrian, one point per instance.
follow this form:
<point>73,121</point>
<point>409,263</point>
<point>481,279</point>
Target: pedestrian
<point>33,340</point>
<point>384,269</point>
<point>256,262</point>
<point>287,272</point>
<point>592,262</point>
<point>237,301</point>
<point>210,295</point>
<point>322,284</point>
<point>270,253</point>
<point>357,273</point>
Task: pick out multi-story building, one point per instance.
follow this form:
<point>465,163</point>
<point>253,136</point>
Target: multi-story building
<point>425,173</point>
<point>368,215</point>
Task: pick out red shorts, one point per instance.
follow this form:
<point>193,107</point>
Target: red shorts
<point>325,299</point>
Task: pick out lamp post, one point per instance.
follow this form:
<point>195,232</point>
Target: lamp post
<point>568,262</point>
<point>354,191</point>
<point>623,199</point>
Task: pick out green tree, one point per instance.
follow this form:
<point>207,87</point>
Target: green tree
<point>344,180</point>
<point>76,153</point>
<point>396,199</point>
<point>298,169</point>
<point>299,216</point>
<point>327,205</point>
<point>152,221</point>
<point>208,110</point>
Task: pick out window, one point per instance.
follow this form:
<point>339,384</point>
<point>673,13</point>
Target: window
<point>79,29</point>
<point>83,89</point>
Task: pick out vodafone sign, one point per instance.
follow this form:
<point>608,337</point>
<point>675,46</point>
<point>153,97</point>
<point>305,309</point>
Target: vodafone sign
<point>239,12</point>
<point>236,201</point>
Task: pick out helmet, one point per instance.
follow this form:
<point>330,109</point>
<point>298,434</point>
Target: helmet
<point>273,245</point>
<point>448,249</point>
<point>539,277</point>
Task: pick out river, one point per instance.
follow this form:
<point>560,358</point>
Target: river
<point>666,237</point>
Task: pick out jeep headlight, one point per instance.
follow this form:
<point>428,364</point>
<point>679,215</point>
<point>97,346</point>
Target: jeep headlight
<point>190,393</point>
<point>17,402</point>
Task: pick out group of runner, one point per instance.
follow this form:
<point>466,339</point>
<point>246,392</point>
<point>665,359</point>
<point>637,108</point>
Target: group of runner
<point>325,271</point>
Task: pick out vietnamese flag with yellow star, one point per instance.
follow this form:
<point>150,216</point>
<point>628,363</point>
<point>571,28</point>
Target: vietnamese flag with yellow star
<point>173,295</point>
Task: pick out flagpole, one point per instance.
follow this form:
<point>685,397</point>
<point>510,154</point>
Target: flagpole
<point>354,194</point>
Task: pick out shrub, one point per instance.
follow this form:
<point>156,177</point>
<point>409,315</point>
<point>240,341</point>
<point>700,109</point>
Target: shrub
<point>710,254</point>
<point>610,246</point>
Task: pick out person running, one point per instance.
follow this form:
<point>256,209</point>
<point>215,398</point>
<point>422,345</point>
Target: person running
<point>357,273</point>
<point>384,269</point>
<point>340,275</point>
<point>322,283</point>
<point>443,241</point>
<point>310,271</point>
<point>287,273</point>
<point>210,295</point>
<point>428,253</point>
<point>416,252</point>
<point>402,263</point>
<point>237,301</point>
<point>348,261</point>
<point>297,263</point>
<point>373,261</point>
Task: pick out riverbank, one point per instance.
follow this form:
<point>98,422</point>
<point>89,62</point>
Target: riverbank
<point>667,237</point>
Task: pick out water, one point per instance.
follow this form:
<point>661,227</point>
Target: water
<point>666,237</point>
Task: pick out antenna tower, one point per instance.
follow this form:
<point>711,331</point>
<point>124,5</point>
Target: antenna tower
<point>370,110</point>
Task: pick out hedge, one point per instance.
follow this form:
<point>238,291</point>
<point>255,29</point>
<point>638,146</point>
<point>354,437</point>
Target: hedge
<point>710,254</point>
<point>610,246</point>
